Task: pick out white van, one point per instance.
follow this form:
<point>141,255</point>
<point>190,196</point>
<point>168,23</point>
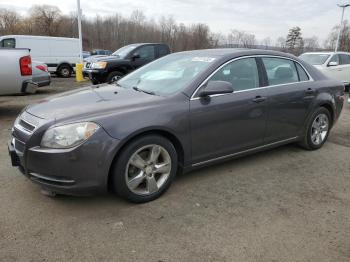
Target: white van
<point>59,53</point>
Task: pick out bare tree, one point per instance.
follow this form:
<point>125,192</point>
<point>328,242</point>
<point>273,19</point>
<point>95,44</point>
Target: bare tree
<point>344,41</point>
<point>237,38</point>
<point>266,42</point>
<point>311,44</point>
<point>9,21</point>
<point>46,19</point>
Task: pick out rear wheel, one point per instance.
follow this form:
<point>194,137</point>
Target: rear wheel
<point>145,169</point>
<point>317,130</point>
<point>64,71</point>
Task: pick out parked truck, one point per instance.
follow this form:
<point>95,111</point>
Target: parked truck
<point>16,71</point>
<point>59,53</point>
<point>123,61</point>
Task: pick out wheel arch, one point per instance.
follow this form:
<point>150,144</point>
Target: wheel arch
<point>64,63</point>
<point>157,131</point>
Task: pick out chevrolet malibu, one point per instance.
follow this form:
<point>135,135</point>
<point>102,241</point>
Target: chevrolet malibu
<point>184,111</point>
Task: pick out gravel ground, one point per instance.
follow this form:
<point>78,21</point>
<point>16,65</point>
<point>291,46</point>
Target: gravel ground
<point>285,204</point>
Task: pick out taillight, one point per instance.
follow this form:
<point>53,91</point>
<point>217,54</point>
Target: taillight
<point>25,64</point>
<point>42,68</point>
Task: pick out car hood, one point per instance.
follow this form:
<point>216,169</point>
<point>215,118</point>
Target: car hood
<point>107,58</point>
<point>90,102</point>
<point>319,67</point>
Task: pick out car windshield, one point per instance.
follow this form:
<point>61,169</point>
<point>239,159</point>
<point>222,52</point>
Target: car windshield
<point>124,51</point>
<point>315,59</point>
<point>168,75</point>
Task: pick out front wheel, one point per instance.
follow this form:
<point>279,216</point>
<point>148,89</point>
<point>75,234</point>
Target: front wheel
<point>114,76</point>
<point>145,169</point>
<point>317,130</point>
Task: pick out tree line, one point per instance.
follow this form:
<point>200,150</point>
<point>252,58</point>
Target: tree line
<point>114,31</point>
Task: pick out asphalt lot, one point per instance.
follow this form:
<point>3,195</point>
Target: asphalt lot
<point>286,204</point>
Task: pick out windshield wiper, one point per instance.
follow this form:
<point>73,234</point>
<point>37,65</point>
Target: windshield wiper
<point>144,91</point>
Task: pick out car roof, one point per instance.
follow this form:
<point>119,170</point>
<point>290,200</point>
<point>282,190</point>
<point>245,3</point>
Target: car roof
<point>234,52</point>
<point>327,53</point>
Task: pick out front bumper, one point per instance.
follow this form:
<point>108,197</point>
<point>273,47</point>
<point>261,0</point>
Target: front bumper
<point>82,170</point>
<point>96,75</point>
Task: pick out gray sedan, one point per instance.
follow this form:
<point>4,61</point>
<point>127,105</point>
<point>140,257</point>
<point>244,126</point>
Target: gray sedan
<point>180,112</point>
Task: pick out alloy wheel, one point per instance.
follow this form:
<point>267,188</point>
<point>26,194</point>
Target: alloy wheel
<point>319,129</point>
<point>148,169</point>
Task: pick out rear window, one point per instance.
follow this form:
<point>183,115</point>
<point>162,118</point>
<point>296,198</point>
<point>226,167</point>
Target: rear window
<point>280,71</point>
<point>8,43</point>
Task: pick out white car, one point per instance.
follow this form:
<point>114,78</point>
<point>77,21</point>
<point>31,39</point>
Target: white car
<point>335,65</point>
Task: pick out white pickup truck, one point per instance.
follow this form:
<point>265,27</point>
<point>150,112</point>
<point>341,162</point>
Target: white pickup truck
<point>16,71</point>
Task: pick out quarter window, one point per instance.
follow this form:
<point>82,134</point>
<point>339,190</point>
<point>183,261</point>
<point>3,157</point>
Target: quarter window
<point>302,74</point>
<point>243,74</point>
<point>280,71</point>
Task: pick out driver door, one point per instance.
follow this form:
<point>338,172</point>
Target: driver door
<point>229,123</point>
<point>145,54</point>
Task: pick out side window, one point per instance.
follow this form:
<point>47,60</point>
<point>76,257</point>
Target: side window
<point>335,58</point>
<point>280,71</point>
<point>302,74</point>
<point>344,59</point>
<point>146,52</point>
<point>163,50</point>
<point>8,43</point>
<point>243,74</point>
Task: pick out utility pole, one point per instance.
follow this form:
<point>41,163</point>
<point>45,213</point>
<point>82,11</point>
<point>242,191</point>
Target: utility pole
<point>341,24</point>
<point>79,66</point>
<point>80,34</point>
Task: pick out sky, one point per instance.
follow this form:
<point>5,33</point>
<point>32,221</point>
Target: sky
<point>264,18</point>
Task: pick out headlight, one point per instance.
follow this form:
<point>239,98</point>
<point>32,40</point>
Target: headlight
<point>67,136</point>
<point>99,65</point>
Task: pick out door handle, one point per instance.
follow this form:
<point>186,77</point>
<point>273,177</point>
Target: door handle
<point>259,99</point>
<point>310,91</point>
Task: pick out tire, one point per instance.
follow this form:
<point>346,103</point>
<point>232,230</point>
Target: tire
<point>318,129</point>
<point>135,178</point>
<point>114,76</point>
<point>347,88</point>
<point>94,82</point>
<point>64,71</point>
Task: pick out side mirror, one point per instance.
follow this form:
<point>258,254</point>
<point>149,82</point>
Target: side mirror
<point>333,63</point>
<point>135,56</point>
<point>216,88</point>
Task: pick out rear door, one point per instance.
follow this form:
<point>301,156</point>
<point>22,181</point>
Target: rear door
<point>336,72</point>
<point>291,92</point>
<point>345,67</point>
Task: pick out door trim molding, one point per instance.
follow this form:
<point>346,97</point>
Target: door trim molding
<point>244,151</point>
<point>194,97</point>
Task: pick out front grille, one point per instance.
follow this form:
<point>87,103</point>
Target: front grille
<point>27,126</point>
<point>19,145</point>
<point>24,127</point>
